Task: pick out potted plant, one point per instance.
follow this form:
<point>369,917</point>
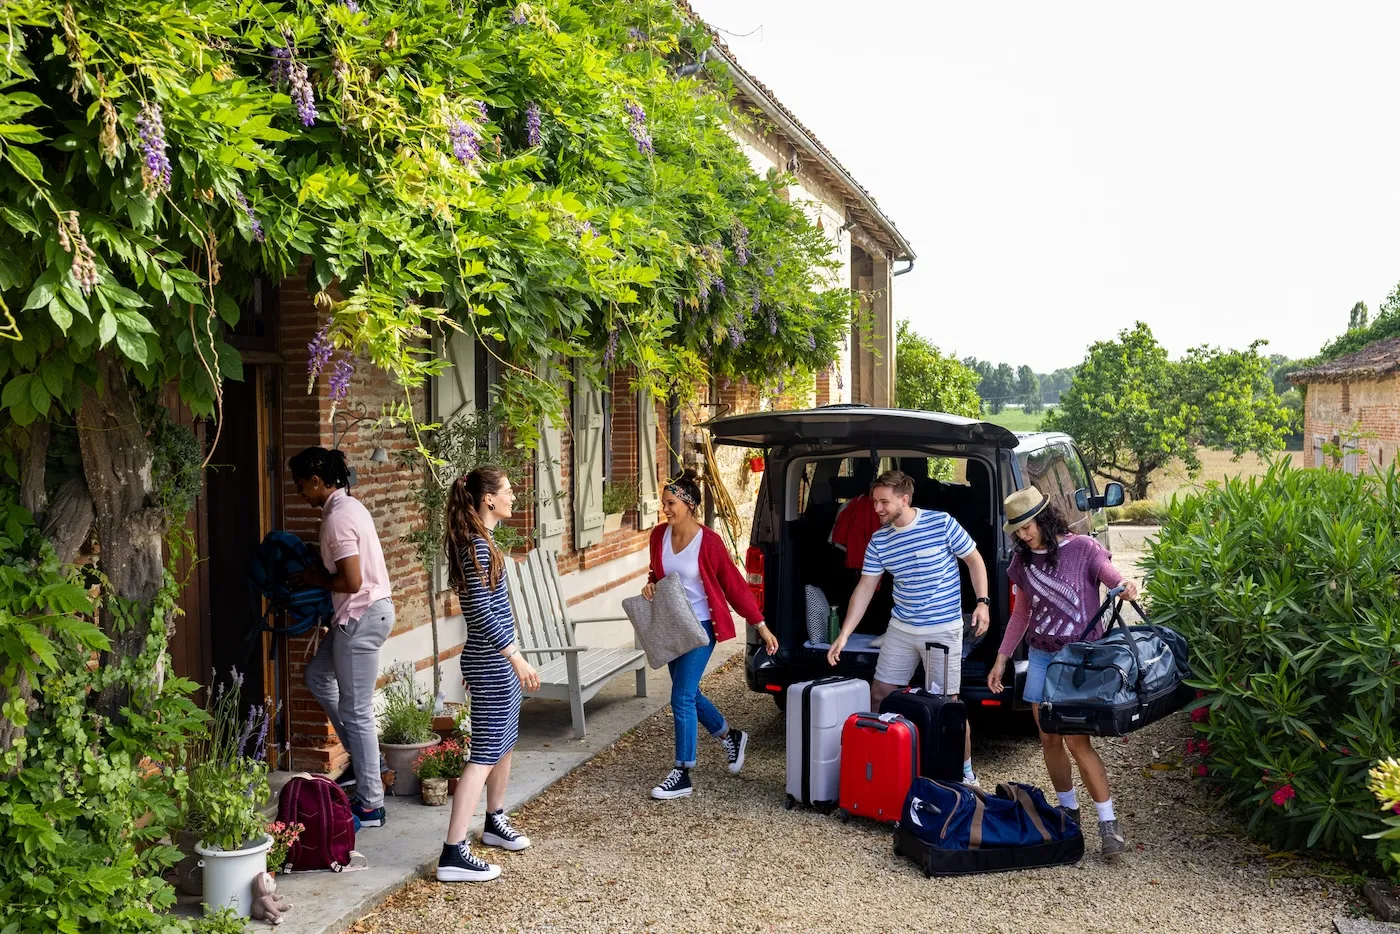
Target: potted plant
<point>226,789</point>
<point>405,727</point>
<point>755,460</point>
<point>617,499</point>
<point>284,837</point>
<point>448,723</point>
<point>439,769</point>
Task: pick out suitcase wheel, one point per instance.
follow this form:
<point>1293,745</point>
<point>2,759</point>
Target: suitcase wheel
<point>841,815</point>
<point>897,850</point>
<point>790,803</point>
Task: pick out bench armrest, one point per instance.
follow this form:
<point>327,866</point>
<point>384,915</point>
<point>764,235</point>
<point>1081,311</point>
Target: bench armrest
<point>601,619</point>
<point>558,649</point>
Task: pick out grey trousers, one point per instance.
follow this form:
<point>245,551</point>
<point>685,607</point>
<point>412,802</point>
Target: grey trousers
<point>342,677</point>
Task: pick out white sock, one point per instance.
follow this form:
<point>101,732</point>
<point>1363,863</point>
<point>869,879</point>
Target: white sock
<point>967,766</point>
<point>1068,799</point>
<point>1105,809</point>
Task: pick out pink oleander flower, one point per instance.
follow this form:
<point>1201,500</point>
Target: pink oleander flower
<point>1283,794</point>
<point>1200,715</point>
<point>1200,771</point>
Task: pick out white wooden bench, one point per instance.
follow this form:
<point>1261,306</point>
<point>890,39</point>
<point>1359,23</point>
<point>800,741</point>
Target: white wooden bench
<point>568,671</point>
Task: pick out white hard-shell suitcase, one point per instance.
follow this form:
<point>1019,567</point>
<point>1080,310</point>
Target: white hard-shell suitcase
<point>816,712</point>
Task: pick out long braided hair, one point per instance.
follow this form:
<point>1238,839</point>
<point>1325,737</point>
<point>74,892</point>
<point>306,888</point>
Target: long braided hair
<point>464,523</point>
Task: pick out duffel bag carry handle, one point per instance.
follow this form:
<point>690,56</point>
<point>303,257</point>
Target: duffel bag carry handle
<point>1116,594</point>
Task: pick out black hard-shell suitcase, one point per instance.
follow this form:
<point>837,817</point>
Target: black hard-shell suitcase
<point>941,720</point>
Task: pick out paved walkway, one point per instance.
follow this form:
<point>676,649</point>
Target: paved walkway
<point>408,846</point>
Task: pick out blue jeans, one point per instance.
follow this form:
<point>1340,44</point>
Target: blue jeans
<point>687,703</point>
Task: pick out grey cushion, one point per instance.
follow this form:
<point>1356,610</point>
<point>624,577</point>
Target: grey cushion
<point>666,625</point>
<point>818,611</point>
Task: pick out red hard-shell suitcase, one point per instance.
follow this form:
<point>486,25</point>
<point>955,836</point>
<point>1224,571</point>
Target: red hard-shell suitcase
<point>879,759</point>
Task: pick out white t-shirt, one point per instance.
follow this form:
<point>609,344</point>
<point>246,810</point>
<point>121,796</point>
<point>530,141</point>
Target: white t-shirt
<point>687,566</point>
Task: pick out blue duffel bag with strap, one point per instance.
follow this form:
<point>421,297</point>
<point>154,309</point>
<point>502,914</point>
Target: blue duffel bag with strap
<point>952,829</point>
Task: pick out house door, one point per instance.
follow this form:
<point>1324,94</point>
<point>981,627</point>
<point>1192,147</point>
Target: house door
<point>242,489</point>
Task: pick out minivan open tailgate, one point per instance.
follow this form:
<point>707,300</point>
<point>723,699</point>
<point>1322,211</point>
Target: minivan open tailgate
<point>855,424</point>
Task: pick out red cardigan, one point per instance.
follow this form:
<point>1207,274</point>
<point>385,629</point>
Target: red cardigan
<point>720,578</point>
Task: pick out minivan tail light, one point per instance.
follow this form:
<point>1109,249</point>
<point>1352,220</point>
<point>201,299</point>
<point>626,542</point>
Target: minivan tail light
<point>753,568</point>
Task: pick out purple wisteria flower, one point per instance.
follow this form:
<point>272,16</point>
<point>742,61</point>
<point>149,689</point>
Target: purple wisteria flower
<point>704,290</point>
<point>772,322</point>
<point>811,342</point>
<point>340,379</point>
<point>253,223</point>
<point>484,116</point>
<point>520,15</point>
<point>635,34</point>
<point>155,170</point>
<point>303,95</point>
<point>611,353</point>
<point>532,124</point>
<point>352,6</point>
<point>741,243</point>
<point>320,350</point>
<point>639,127</point>
<point>840,383</point>
<point>736,336</point>
<point>757,301</point>
<point>719,287</point>
<point>586,229</point>
<point>768,272</point>
<point>466,145</point>
<point>281,65</point>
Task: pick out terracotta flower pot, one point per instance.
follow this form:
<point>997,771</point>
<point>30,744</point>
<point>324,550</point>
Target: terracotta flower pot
<point>434,791</point>
<point>612,522</point>
<point>756,463</point>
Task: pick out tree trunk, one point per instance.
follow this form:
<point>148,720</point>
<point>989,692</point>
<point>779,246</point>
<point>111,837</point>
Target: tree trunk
<point>68,522</point>
<point>432,621</point>
<point>1142,480</point>
<point>31,487</point>
<point>130,531</point>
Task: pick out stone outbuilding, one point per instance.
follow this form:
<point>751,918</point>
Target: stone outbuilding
<point>1353,408</point>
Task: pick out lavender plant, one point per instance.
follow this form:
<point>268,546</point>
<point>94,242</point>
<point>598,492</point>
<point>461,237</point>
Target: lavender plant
<point>226,770</point>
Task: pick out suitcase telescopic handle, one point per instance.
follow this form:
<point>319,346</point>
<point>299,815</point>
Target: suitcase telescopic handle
<point>947,656</point>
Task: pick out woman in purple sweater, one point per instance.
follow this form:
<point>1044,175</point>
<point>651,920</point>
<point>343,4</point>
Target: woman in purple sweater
<point>1057,576</point>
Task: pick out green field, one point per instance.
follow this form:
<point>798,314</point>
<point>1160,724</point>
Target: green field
<point>1017,420</point>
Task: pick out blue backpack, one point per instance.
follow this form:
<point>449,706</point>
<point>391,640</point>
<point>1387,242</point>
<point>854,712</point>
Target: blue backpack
<point>272,563</point>
<point>949,828</point>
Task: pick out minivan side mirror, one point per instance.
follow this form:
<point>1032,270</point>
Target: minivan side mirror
<point>1112,496</point>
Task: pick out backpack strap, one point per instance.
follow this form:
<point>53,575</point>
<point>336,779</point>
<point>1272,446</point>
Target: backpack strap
<point>357,862</point>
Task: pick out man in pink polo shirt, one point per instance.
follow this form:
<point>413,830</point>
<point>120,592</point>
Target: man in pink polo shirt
<point>343,673</point>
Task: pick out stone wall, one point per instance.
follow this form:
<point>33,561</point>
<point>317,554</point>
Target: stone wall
<point>1368,407</point>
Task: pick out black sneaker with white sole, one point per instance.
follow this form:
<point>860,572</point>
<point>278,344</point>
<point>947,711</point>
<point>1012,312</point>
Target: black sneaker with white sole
<point>735,742</point>
<point>499,832</point>
<point>458,864</point>
<point>676,785</point>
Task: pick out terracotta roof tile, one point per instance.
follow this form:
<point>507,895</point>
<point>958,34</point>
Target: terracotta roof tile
<point>1375,360</point>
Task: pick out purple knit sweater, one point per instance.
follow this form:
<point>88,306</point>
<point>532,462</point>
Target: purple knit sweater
<point>1055,606</point>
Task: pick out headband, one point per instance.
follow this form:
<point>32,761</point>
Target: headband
<point>675,490</point>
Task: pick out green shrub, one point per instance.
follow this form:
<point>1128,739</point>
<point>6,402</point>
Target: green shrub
<point>619,497</point>
<point>1286,587</point>
<point>405,718</point>
<point>1142,512</point>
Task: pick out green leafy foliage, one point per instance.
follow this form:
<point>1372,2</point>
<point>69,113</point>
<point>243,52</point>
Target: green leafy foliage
<point>1362,331</point>
<point>228,772</point>
<point>84,800</point>
<point>405,717</point>
<point>1132,409</point>
<point>619,497</point>
<point>1285,586</point>
<point>926,378</point>
<point>552,185</point>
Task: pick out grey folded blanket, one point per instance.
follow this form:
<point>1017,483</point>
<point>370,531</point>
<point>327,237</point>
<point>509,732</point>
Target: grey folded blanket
<point>666,625</point>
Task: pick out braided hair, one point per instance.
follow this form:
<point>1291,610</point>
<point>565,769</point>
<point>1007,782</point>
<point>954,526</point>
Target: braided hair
<point>464,523</point>
<point>330,466</point>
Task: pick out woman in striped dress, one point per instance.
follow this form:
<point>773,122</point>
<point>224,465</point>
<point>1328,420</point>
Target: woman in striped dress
<point>492,667</point>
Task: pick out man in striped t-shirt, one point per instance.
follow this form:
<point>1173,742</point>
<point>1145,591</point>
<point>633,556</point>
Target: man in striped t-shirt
<point>920,548</point>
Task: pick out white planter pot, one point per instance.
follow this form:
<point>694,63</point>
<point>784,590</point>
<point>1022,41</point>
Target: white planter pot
<point>612,522</point>
<point>401,760</point>
<point>229,874</point>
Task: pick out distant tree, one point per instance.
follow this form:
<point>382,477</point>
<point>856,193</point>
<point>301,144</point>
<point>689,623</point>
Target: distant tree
<point>1360,317</point>
<point>999,388</point>
<point>1028,389</point>
<point>926,378</point>
<point>1132,409</point>
<point>1386,324</point>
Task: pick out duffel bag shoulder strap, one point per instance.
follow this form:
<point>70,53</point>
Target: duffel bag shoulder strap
<point>1182,664</point>
<point>1026,803</point>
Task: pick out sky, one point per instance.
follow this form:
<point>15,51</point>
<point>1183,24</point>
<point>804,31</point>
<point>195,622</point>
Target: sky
<point>1223,172</point>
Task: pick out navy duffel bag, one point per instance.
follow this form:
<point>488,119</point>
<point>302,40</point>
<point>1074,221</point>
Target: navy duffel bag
<point>1133,676</point>
<point>952,829</point>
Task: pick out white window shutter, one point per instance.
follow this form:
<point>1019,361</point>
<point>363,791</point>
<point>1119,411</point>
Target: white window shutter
<point>588,464</point>
<point>550,504</point>
<point>453,394</point>
<point>649,500</point>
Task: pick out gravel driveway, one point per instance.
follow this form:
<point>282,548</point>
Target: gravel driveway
<point>608,858</point>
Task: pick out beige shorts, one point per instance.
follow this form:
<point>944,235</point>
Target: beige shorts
<point>901,652</point>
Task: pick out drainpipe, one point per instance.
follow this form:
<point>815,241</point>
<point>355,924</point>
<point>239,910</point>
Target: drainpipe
<point>675,435</point>
<point>685,71</point>
<point>900,272</point>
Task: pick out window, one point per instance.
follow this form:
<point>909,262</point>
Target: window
<point>1346,398</point>
<point>1055,470</point>
<point>1351,460</point>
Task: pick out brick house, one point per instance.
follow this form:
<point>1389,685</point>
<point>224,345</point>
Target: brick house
<point>1353,403</point>
<point>613,435</point>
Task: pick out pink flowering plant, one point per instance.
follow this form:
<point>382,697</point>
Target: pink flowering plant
<point>284,836</point>
<point>1285,588</point>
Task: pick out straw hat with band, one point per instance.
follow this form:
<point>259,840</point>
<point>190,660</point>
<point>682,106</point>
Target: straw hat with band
<point>1023,506</point>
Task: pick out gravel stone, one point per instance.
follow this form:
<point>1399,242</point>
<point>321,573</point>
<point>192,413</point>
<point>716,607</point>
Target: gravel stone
<point>606,857</point>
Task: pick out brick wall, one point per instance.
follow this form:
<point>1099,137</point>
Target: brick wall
<point>1369,407</point>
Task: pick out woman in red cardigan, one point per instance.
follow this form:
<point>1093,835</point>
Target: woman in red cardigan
<point>683,546</point>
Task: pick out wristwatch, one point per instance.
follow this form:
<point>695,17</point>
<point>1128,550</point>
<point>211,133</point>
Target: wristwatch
<point>986,600</point>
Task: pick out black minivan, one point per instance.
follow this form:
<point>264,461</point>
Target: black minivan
<point>818,459</point>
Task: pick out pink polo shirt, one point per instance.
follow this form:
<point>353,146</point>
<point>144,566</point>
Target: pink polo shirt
<point>347,529</point>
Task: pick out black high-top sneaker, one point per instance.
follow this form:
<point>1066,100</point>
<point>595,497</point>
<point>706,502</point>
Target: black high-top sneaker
<point>458,864</point>
<point>676,785</point>
<point>499,832</point>
<point>735,742</point>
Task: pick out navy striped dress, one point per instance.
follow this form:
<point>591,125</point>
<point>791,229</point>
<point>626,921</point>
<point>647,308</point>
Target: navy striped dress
<point>490,679</point>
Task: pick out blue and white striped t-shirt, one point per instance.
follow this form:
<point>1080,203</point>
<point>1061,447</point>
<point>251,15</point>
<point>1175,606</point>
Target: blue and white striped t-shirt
<point>923,559</point>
